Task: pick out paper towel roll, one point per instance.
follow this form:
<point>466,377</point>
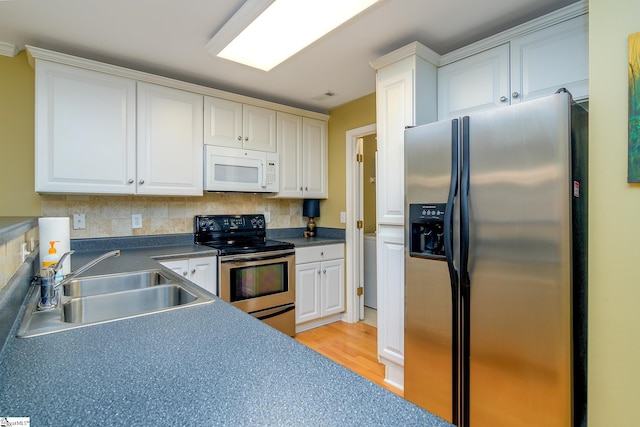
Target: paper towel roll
<point>55,229</point>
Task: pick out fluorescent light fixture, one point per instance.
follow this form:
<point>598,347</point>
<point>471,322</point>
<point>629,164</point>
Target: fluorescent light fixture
<point>264,33</point>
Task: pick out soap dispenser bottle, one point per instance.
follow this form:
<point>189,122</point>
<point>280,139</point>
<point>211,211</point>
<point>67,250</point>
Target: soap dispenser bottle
<point>52,258</point>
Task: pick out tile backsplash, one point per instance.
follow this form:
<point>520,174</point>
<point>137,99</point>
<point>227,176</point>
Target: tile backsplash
<point>110,216</point>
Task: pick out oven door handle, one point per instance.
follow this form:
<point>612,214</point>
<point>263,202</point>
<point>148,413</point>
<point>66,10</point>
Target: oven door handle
<point>273,312</point>
<point>263,256</point>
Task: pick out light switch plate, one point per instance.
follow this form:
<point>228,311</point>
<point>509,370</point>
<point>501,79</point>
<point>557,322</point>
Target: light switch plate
<point>79,221</point>
<point>136,221</point>
<point>343,217</point>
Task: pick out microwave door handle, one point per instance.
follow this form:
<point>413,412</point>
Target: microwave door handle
<point>264,173</point>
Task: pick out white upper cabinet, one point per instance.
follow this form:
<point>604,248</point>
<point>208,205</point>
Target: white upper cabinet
<point>85,133</point>
<point>476,83</point>
<point>534,64</point>
<point>91,138</point>
<point>233,124</point>
<point>302,146</point>
<point>555,57</point>
<point>169,149</point>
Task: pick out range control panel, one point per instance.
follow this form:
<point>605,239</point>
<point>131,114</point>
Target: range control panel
<point>229,223</point>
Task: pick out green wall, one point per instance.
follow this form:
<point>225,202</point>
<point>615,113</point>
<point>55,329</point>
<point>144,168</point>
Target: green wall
<point>355,114</point>
<point>17,103</point>
<point>614,229</point>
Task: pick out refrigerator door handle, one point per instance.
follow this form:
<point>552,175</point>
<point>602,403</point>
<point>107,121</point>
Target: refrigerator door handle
<point>453,273</point>
<point>465,281</point>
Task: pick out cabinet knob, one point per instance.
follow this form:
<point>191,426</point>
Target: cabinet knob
<point>503,98</point>
<point>306,188</point>
<point>130,181</point>
<point>141,181</point>
<point>184,273</point>
<point>318,271</point>
<point>515,95</point>
<point>193,271</point>
<point>321,253</point>
<point>300,188</point>
<point>246,138</point>
<point>239,138</point>
<point>324,271</point>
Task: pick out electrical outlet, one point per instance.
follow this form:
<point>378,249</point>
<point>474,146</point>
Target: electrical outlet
<point>79,221</point>
<point>343,217</point>
<point>267,217</point>
<point>136,221</point>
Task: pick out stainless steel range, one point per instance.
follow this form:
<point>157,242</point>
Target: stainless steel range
<point>256,275</point>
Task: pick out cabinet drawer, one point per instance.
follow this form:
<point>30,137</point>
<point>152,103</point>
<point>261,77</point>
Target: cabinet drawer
<point>319,253</point>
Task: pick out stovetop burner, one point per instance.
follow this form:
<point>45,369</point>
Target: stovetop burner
<point>236,234</point>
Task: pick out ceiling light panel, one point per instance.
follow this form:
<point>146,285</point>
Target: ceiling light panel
<point>284,28</point>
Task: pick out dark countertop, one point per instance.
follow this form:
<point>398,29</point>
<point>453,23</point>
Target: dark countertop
<point>205,365</point>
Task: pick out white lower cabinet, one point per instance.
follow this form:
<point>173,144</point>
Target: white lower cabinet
<point>319,285</point>
<point>203,271</point>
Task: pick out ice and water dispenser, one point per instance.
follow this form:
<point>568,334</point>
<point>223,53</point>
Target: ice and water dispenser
<point>426,222</point>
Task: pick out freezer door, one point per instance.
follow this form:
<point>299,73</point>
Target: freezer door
<point>519,355</point>
<point>429,361</point>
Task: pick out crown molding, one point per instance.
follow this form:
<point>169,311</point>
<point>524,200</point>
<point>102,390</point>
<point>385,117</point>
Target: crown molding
<point>412,49</point>
<point>8,49</point>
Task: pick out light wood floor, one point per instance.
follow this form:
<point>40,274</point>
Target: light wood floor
<point>352,345</point>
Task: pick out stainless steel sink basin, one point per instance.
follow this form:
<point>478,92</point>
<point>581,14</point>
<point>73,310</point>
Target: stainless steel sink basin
<point>105,298</point>
<point>98,308</point>
<point>114,283</point>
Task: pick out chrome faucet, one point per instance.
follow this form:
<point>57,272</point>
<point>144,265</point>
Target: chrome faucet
<point>48,289</point>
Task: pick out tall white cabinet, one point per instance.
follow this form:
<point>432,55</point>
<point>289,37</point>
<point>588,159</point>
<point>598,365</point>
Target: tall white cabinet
<point>405,96</point>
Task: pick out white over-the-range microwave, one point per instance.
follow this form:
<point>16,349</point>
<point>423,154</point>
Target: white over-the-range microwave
<point>240,170</point>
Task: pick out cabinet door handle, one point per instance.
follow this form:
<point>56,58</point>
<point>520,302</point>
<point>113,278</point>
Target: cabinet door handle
<point>318,271</point>
<point>503,98</point>
<point>130,181</point>
<point>142,181</point>
<point>193,271</point>
<point>184,273</point>
<point>324,271</point>
<point>515,95</point>
<point>239,138</point>
<point>246,138</point>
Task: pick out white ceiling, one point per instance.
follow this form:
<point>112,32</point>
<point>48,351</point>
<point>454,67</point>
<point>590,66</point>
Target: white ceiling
<point>167,37</point>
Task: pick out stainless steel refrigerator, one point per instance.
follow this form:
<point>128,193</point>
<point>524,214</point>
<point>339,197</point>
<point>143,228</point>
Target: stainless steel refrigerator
<point>495,265</point>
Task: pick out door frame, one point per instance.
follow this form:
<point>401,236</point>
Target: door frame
<point>354,242</point>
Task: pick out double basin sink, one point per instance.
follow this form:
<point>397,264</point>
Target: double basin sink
<point>98,299</point>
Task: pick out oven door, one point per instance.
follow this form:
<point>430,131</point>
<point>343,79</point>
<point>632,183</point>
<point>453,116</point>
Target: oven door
<point>258,281</point>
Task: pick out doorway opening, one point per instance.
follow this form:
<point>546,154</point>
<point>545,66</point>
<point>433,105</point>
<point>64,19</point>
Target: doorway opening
<point>360,144</point>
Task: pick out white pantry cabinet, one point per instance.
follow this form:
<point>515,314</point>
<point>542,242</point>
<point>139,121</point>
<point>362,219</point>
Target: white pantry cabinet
<point>302,146</point>
<point>233,124</point>
<point>528,66</point>
<point>169,148</point>
<point>85,133</point>
<point>319,285</point>
<point>98,133</point>
<point>203,271</point>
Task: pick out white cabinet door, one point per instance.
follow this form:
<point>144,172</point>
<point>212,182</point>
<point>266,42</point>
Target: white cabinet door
<point>394,113</point>
<point>476,83</point>
<point>332,287</point>
<point>259,128</point>
<point>203,271</point>
<point>85,131</point>
<point>307,292</point>
<point>555,57</point>
<point>232,124</point>
<point>222,122</point>
<point>314,152</point>
<point>169,150</point>
<point>290,151</point>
